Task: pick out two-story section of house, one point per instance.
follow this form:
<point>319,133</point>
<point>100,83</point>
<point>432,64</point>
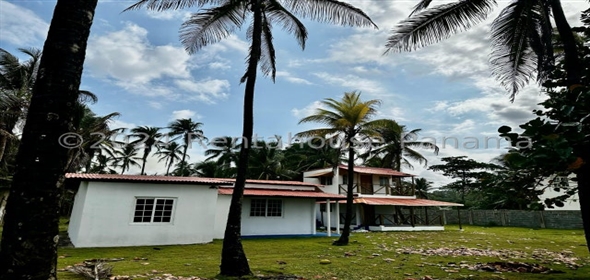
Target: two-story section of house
<point>384,200</point>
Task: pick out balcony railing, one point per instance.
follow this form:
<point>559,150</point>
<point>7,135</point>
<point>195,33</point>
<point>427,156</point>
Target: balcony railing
<point>378,189</point>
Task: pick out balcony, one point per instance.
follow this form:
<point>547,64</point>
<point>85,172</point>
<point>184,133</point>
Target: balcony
<point>371,189</point>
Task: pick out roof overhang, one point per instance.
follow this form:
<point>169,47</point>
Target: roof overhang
<point>145,179</point>
<point>284,193</point>
<point>376,171</point>
<point>402,201</point>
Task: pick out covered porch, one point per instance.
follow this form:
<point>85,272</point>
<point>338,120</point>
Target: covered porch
<point>391,214</point>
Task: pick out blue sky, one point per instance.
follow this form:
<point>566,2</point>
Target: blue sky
<point>137,66</point>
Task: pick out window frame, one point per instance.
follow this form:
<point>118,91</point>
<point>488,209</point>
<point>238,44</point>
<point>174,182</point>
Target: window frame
<point>267,205</point>
<point>153,217</point>
<point>387,179</point>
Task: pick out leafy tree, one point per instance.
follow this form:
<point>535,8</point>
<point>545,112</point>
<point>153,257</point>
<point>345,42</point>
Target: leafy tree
<point>209,26</point>
<point>189,130</point>
<point>556,141</point>
<point>147,138</point>
<point>468,172</point>
<point>348,118</point>
<point>29,248</point>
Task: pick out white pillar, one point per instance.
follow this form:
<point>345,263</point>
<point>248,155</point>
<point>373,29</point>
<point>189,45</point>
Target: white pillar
<point>328,214</point>
<point>337,217</point>
<point>313,218</point>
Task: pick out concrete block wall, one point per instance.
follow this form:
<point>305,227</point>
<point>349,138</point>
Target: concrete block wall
<point>562,219</point>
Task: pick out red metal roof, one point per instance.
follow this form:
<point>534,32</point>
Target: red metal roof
<point>402,201</point>
<point>377,171</point>
<point>274,182</point>
<point>284,193</point>
<point>146,178</point>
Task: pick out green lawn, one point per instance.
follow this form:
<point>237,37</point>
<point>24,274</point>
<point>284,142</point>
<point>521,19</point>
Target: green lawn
<point>369,255</point>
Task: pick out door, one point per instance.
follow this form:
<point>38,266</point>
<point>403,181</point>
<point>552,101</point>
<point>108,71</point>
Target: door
<point>369,215</point>
<point>366,184</point>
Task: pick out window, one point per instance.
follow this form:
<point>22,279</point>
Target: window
<point>326,181</point>
<point>384,181</point>
<point>153,210</point>
<point>345,179</point>
<point>266,208</point>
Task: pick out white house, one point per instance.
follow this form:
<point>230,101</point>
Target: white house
<point>382,202</point>
<point>128,210</point>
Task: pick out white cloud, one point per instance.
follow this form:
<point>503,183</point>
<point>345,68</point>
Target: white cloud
<point>121,124</point>
<point>156,104</point>
<point>169,15</point>
<point>20,26</point>
<point>352,82</point>
<point>184,114</point>
<point>307,110</point>
<point>291,78</point>
<point>205,90</point>
<point>218,65</point>
<point>127,55</point>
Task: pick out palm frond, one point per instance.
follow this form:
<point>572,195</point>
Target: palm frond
<point>423,4</point>
<point>437,23</point>
<point>162,5</point>
<point>212,25</point>
<point>330,11</point>
<point>267,56</point>
<point>288,21</point>
<point>513,60</point>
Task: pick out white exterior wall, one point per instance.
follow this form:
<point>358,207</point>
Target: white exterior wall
<point>223,202</point>
<point>315,180</point>
<point>77,211</point>
<point>103,215</point>
<point>296,219</point>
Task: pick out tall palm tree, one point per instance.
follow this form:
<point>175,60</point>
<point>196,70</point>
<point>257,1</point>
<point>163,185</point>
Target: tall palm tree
<point>147,138</point>
<point>171,152</point>
<point>16,83</point>
<point>422,186</point>
<point>189,130</point>
<point>267,161</point>
<point>211,169</point>
<point>224,149</point>
<point>94,131</point>
<point>127,157</point>
<point>349,118</point>
<point>28,249</point>
<point>521,36</point>
<point>398,147</point>
<point>209,26</point>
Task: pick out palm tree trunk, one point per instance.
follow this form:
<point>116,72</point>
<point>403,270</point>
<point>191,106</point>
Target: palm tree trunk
<point>169,165</point>
<point>343,240</point>
<point>144,159</point>
<point>573,65</point>
<point>185,150</point>
<point>573,69</point>
<point>3,140</point>
<point>233,257</point>
<point>29,238</point>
